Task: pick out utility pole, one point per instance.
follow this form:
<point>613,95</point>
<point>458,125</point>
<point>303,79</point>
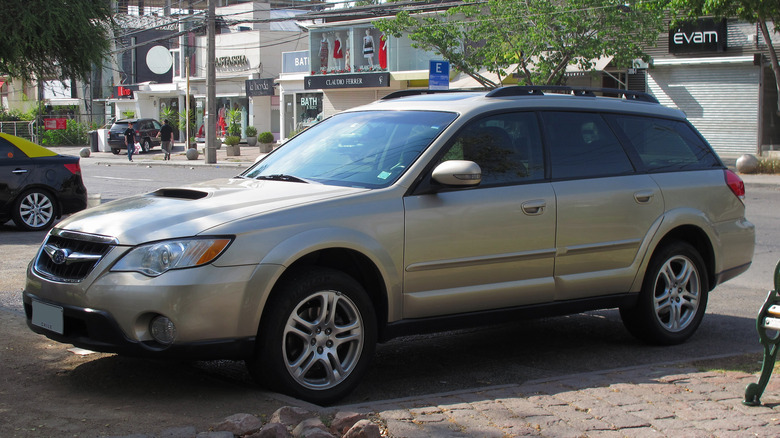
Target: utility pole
<point>211,87</point>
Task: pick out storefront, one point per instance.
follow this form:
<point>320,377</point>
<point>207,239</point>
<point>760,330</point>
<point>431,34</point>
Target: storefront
<point>346,66</point>
<point>715,72</point>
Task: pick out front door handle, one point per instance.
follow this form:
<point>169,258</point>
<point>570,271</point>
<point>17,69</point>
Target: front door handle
<point>19,171</point>
<point>534,208</point>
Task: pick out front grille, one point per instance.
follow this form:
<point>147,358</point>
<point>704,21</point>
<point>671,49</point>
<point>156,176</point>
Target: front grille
<point>69,257</point>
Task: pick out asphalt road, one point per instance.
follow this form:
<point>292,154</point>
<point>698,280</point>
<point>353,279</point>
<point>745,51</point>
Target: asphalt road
<point>510,353</point>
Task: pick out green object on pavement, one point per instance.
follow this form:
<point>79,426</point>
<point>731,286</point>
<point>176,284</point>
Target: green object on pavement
<point>768,326</point>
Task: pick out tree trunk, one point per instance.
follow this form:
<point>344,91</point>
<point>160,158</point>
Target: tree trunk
<point>772,57</point>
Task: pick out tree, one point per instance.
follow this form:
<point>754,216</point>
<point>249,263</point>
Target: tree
<point>537,39</point>
<point>753,11</point>
<point>53,39</point>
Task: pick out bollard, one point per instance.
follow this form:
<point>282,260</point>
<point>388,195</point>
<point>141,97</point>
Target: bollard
<point>93,200</point>
<point>768,321</point>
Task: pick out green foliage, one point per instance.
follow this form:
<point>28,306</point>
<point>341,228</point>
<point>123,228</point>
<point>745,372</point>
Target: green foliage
<point>186,116</point>
<point>128,114</point>
<point>251,131</point>
<point>232,140</point>
<point>537,39</point>
<point>172,116</point>
<point>265,137</point>
<point>54,39</point>
<point>234,122</point>
<point>75,134</point>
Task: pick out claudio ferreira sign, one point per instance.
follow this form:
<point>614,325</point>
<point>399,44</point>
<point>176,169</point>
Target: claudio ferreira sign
<point>698,36</point>
<point>357,80</point>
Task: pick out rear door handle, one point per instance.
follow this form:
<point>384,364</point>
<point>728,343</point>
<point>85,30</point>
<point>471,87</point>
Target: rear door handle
<point>534,208</point>
<point>644,196</point>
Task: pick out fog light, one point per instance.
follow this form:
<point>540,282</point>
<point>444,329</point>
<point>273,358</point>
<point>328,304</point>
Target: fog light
<point>163,330</point>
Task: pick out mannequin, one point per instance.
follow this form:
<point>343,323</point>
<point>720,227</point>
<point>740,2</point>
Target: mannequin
<point>324,53</point>
<point>338,55</point>
<point>368,48</point>
<point>383,51</point>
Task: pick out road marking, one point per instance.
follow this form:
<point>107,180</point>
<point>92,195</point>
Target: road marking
<point>121,179</point>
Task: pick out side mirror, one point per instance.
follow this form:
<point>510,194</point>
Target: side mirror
<point>458,173</point>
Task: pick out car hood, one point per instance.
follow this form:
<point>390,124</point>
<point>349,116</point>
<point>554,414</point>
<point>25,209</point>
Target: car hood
<point>191,210</point>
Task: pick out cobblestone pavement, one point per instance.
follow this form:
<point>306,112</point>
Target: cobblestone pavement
<point>655,401</point>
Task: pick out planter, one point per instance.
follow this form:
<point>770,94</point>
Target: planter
<point>233,150</point>
<point>266,147</point>
<point>251,141</point>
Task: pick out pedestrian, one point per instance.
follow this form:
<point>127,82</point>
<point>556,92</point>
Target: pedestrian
<point>165,135</point>
<point>130,140</point>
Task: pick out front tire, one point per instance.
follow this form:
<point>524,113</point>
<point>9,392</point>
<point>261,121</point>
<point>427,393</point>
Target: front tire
<point>115,151</point>
<point>673,298</point>
<point>35,210</point>
<point>317,336</point>
<point>146,146</point>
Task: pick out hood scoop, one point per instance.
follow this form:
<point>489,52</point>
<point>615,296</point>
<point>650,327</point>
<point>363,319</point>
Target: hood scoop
<point>179,194</point>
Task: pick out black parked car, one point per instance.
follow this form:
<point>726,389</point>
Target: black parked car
<point>145,133</point>
<point>37,185</point>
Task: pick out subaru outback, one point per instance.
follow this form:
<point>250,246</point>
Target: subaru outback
<point>418,212</point>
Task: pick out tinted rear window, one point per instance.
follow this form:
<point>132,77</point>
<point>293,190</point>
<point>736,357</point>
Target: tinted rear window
<point>666,145</point>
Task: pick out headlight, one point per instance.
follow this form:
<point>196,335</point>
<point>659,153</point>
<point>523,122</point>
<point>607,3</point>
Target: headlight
<point>156,258</point>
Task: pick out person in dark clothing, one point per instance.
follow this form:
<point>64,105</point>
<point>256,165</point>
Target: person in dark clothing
<point>165,136</point>
<point>130,140</point>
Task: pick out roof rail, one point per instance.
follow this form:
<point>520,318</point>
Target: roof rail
<point>538,90</point>
<point>419,92</point>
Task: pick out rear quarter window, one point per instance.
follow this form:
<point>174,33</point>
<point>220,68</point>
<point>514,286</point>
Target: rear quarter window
<point>666,145</point>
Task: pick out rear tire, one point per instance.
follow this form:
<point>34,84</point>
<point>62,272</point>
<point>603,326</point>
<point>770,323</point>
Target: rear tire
<point>115,151</point>
<point>673,298</point>
<point>146,146</point>
<point>317,336</point>
<point>35,210</point>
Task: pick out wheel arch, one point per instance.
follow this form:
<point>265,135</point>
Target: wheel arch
<point>698,238</point>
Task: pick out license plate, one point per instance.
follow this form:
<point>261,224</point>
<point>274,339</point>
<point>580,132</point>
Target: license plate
<point>48,317</point>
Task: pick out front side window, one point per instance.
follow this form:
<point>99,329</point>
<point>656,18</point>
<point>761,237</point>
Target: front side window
<point>583,146</point>
<point>507,148</point>
<point>368,149</point>
<point>666,145</point>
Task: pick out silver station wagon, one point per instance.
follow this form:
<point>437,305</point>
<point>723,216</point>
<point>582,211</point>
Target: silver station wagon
<point>422,211</point>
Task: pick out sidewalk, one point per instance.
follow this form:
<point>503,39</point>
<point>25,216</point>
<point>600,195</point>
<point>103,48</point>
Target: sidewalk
<point>178,156</point>
<point>669,400</point>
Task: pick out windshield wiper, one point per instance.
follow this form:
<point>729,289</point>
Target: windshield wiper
<point>282,177</point>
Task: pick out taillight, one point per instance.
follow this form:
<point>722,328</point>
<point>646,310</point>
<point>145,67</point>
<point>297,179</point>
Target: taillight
<point>735,183</point>
<point>74,168</point>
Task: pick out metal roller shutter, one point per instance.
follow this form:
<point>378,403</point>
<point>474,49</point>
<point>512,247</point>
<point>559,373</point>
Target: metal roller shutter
<point>721,101</point>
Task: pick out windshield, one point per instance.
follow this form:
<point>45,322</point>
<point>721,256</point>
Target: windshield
<point>369,149</point>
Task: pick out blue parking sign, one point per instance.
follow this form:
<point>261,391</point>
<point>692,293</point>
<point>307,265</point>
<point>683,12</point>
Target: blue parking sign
<point>439,75</point>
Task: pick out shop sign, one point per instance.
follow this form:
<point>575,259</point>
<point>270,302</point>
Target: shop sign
<point>357,80</point>
<point>259,87</point>
<point>698,36</point>
<point>125,91</point>
<point>310,102</point>
<point>295,62</point>
<point>55,123</point>
<point>232,62</point>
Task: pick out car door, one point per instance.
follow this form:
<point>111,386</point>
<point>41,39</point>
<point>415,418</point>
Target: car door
<point>487,247</point>
<point>606,210</point>
<point>15,168</point>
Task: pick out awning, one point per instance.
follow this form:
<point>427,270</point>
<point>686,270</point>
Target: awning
<point>462,80</point>
<point>410,75</point>
<point>2,82</point>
